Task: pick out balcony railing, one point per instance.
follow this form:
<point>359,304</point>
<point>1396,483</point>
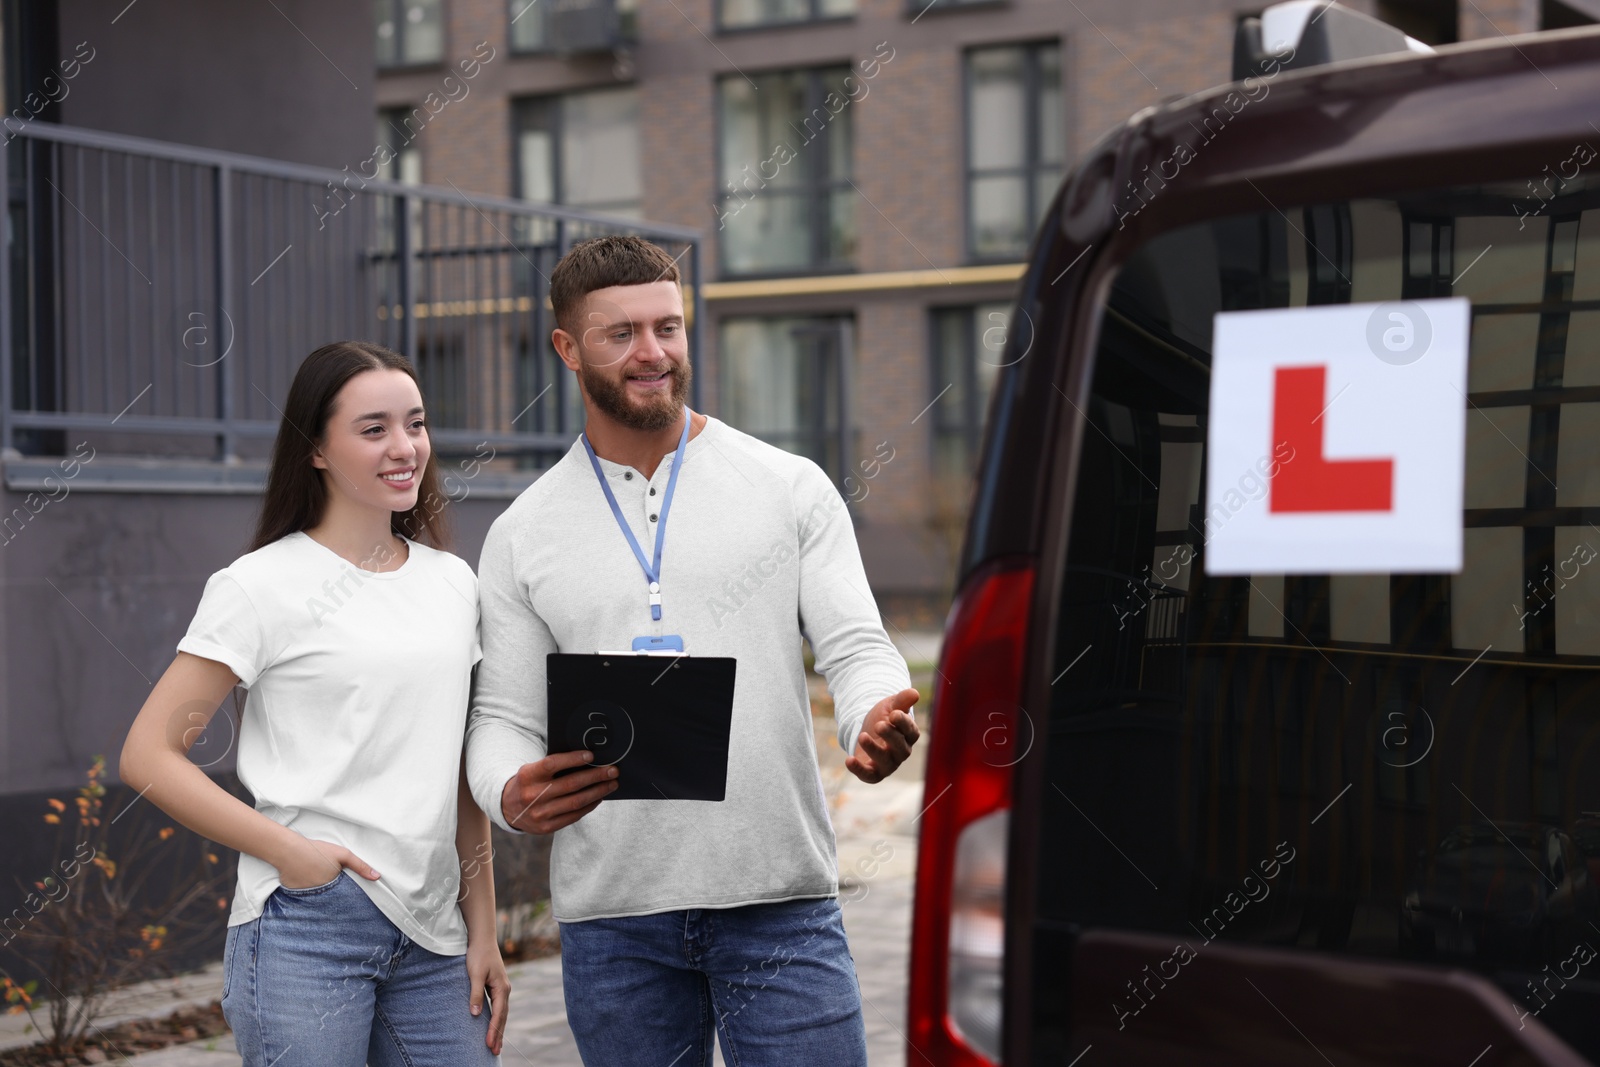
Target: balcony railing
<point>156,298</point>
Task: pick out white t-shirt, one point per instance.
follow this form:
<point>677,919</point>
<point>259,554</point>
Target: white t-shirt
<point>354,722</point>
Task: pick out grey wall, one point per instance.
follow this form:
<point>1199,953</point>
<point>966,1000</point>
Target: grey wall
<point>290,79</point>
<point>95,591</point>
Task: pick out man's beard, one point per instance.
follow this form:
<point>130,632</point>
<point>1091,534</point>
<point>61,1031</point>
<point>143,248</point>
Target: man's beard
<point>611,397</point>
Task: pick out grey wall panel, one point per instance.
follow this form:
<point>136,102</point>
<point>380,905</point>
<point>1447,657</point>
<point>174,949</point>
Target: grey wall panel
<point>96,588</point>
<point>290,80</point>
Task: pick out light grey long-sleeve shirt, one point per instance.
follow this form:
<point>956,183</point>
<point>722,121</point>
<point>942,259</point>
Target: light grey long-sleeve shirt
<point>759,548</point>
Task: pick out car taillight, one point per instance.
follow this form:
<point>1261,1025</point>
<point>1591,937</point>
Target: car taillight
<point>979,732</point>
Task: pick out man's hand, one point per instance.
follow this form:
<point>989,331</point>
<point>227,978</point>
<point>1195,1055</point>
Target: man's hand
<point>887,734</point>
<point>534,800</point>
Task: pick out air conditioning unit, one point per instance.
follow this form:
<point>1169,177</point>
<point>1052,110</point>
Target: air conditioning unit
<point>579,26</point>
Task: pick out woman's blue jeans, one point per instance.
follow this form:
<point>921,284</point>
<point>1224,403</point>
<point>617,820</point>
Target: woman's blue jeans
<point>774,981</point>
<point>321,978</point>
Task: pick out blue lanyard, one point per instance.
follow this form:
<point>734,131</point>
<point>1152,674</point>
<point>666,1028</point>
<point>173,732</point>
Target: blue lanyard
<point>652,572</point>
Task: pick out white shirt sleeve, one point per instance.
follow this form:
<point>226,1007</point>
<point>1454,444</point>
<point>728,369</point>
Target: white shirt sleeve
<point>838,614</point>
<point>506,724</point>
<point>227,629</point>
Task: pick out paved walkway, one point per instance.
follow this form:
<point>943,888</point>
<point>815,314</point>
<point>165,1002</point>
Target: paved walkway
<point>876,827</point>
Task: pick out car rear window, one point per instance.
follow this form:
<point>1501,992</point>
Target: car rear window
<point>1395,766</point>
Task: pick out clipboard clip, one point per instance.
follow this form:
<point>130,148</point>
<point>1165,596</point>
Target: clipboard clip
<point>658,645</point>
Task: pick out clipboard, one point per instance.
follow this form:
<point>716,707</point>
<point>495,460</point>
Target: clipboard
<point>662,719</point>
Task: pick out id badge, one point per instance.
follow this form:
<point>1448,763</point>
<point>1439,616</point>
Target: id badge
<point>658,643</point>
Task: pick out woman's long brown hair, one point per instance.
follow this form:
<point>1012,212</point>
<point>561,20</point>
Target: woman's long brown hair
<point>296,494</point>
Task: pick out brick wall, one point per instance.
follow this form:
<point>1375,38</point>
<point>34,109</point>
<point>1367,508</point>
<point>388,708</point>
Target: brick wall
<point>891,388</point>
<point>676,135</point>
<point>910,213</point>
<point>468,142</point>
<point>677,121</point>
<point>1112,71</point>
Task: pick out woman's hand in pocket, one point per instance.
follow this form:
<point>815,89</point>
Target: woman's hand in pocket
<point>485,968</point>
<point>314,863</point>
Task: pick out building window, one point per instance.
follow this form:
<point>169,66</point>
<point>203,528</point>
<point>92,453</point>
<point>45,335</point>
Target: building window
<point>410,32</point>
<point>968,346</point>
<point>1015,144</point>
<point>784,380</point>
<point>1429,258</point>
<point>581,150</point>
<point>1329,253</point>
<point>917,8</point>
<point>397,132</point>
<point>785,202</point>
<point>398,160</point>
<point>530,23</point>
<point>734,14</point>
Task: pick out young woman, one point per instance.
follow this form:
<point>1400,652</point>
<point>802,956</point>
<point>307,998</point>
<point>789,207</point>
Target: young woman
<point>363,926</point>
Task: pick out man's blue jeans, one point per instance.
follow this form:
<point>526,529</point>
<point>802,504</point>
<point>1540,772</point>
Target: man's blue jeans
<point>321,978</point>
<point>775,982</point>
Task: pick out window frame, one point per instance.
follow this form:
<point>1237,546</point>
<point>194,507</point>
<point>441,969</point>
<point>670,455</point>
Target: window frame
<point>839,326</point>
<point>386,116</point>
<point>915,9</point>
<point>819,188</point>
<point>975,409</point>
<point>511,33</point>
<point>521,106</point>
<point>1031,166</point>
<point>401,66</point>
<point>815,17</point>
<point>627,29</point>
<point>394,117</point>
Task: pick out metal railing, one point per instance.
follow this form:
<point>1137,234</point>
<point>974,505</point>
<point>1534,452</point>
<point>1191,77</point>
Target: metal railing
<point>157,298</point>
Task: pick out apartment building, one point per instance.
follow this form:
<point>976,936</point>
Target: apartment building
<point>868,174</point>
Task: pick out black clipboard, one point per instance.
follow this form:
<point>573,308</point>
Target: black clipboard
<point>663,720</point>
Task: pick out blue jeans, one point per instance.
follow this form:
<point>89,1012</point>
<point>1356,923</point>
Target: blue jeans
<point>774,981</point>
<point>321,978</point>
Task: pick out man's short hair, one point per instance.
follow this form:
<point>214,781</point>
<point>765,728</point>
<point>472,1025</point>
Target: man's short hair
<point>601,262</point>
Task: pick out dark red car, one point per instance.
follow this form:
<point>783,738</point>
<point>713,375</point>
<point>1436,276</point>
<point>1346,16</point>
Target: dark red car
<point>1176,804</point>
